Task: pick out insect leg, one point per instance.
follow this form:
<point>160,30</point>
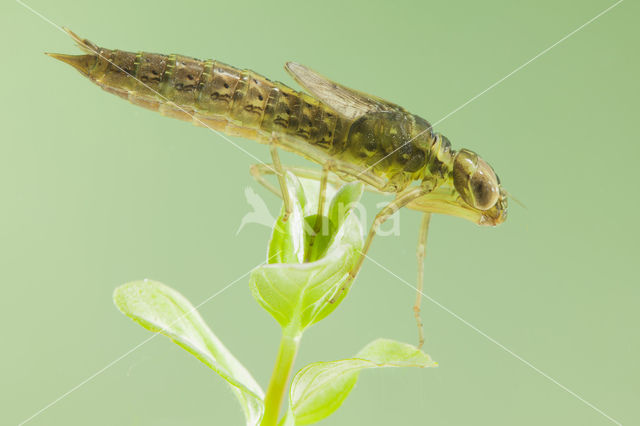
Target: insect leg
<point>280,172</point>
<point>258,171</point>
<point>400,201</point>
<point>326,168</point>
<point>420,254</point>
<point>319,223</point>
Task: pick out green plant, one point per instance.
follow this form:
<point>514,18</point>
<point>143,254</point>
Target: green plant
<point>303,273</point>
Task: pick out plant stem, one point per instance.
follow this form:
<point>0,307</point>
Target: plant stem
<point>280,377</point>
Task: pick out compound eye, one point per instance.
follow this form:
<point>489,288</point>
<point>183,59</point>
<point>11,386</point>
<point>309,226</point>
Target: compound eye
<point>484,186</point>
<point>475,180</point>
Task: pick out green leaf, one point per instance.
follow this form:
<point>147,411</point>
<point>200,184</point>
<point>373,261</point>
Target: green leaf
<point>161,309</point>
<point>297,295</point>
<point>320,388</point>
<point>287,239</point>
<point>344,201</point>
<point>340,207</point>
<point>319,234</point>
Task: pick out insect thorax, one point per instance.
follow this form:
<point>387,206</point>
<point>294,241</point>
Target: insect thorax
<point>399,146</point>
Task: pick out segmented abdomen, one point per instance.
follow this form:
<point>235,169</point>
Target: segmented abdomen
<point>217,95</point>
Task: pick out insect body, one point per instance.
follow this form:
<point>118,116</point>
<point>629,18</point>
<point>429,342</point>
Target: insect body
<point>351,134</point>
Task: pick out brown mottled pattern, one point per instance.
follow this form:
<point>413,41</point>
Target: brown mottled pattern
<point>217,88</point>
<point>217,92</point>
<point>180,80</point>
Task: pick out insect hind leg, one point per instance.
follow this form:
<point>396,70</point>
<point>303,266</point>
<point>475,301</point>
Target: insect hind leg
<point>280,172</point>
<point>420,255</point>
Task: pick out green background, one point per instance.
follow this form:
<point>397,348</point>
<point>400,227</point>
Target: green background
<point>96,192</point>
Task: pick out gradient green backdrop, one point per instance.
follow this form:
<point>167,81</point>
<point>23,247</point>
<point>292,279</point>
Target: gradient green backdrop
<point>96,192</point>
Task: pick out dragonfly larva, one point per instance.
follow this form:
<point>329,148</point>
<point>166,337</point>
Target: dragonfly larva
<point>354,136</point>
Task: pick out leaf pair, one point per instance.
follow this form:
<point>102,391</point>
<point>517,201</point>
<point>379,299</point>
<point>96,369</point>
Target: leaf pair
<point>316,391</point>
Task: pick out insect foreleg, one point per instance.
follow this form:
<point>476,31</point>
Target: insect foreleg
<point>420,254</point>
<point>400,201</point>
